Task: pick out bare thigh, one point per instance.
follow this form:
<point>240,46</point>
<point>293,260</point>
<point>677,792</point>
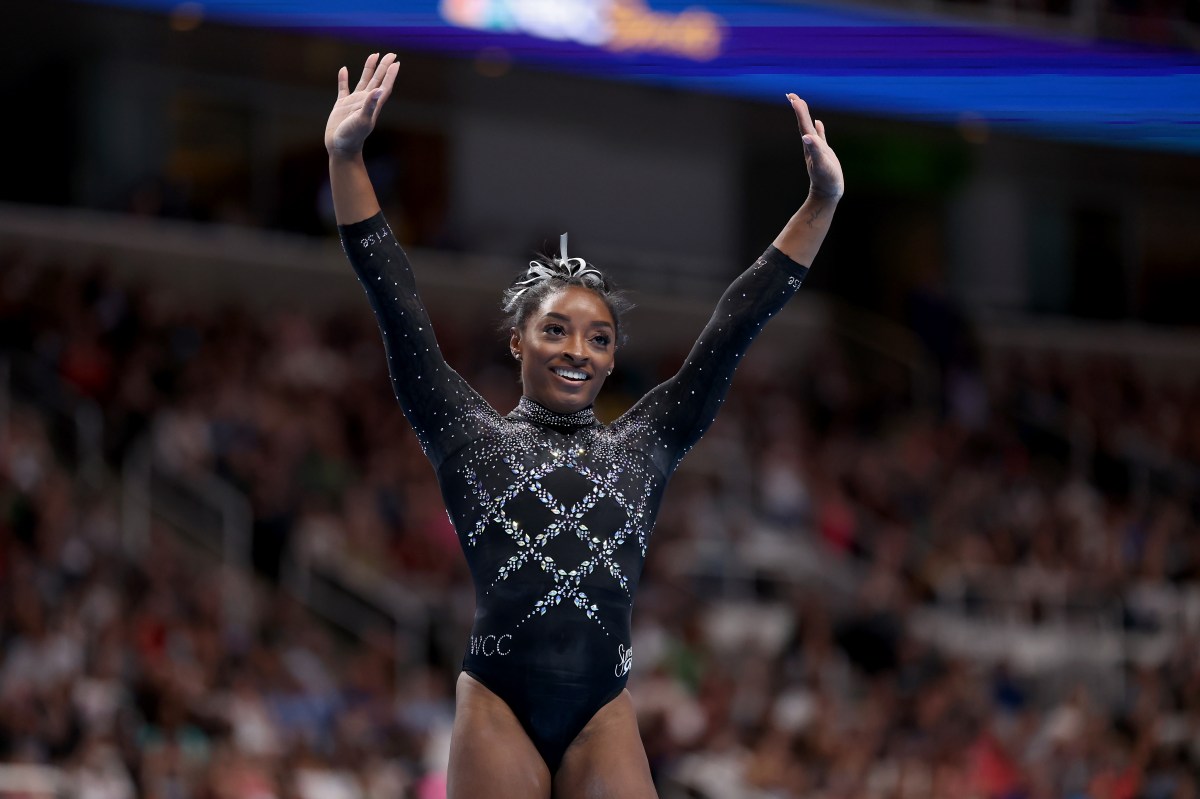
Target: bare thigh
<point>490,754</point>
<point>606,760</point>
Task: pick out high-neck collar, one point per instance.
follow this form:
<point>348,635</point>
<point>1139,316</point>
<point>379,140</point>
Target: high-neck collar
<point>531,411</point>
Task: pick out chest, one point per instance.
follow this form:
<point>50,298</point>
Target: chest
<point>540,479</point>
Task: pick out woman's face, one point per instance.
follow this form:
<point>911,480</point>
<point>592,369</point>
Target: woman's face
<point>566,349</point>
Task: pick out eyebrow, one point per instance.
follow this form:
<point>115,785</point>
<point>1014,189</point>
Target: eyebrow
<point>596,323</point>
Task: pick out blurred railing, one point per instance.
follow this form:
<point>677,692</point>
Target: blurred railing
<point>1157,352</point>
<point>212,515</point>
<point>217,517</point>
<point>736,570</point>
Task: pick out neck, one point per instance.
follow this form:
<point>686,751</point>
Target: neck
<point>534,411</point>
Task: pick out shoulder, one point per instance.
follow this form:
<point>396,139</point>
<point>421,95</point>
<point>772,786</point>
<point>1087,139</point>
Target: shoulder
<point>638,432</point>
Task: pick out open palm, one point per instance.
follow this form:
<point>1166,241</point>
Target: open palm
<point>353,116</point>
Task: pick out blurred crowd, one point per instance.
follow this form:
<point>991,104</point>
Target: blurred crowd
<point>1038,490</point>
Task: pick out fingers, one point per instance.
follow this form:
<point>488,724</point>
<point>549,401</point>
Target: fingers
<point>368,71</point>
<point>378,76</point>
<point>381,69</point>
<point>824,171</point>
<point>379,95</point>
<point>803,117</point>
<point>389,78</point>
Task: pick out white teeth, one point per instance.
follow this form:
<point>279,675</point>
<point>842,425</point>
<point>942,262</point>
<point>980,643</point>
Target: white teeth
<point>571,374</point>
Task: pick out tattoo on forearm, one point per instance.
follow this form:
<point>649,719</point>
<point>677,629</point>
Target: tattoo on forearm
<point>813,215</point>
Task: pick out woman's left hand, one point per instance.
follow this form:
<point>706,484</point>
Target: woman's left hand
<point>824,169</point>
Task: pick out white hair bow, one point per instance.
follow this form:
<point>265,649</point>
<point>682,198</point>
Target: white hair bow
<point>563,267</point>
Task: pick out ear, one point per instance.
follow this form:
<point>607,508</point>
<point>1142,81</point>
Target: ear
<point>514,343</point>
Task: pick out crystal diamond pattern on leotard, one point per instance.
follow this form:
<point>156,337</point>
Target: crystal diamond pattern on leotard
<point>603,484</point>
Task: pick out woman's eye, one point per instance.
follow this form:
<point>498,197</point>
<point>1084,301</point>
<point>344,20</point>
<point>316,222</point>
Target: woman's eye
<point>601,339</point>
<point>554,330</point>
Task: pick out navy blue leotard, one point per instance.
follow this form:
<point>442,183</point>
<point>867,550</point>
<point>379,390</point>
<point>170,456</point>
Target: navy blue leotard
<point>554,511</point>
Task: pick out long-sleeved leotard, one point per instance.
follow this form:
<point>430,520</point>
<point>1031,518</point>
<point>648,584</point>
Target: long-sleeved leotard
<point>554,512</point>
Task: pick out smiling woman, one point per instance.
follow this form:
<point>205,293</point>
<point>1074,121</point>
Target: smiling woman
<point>553,509</point>
<point>566,349</point>
<point>564,319</point>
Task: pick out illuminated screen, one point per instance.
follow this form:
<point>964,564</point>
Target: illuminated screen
<point>872,62</point>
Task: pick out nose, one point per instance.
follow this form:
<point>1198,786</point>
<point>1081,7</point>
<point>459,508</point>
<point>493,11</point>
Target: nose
<point>575,350</point>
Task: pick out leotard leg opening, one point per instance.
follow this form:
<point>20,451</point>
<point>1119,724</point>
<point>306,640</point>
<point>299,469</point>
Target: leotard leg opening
<point>552,710</point>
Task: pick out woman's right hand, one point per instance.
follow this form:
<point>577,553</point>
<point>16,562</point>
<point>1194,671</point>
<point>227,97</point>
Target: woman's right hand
<point>353,116</point>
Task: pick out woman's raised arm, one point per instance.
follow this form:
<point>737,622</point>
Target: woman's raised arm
<point>683,407</point>
<point>350,122</point>
<point>437,401</point>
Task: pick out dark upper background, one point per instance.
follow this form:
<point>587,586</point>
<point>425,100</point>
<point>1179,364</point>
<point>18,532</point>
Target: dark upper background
<point>179,116</point>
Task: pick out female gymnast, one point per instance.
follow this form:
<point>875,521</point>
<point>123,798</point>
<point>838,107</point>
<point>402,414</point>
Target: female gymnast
<point>553,509</point>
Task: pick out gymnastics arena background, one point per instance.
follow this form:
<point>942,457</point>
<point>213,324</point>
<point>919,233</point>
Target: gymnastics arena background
<point>941,542</point>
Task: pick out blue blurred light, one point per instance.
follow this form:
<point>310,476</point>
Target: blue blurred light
<point>874,62</point>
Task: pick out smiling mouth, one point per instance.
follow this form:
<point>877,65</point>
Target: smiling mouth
<point>574,375</point>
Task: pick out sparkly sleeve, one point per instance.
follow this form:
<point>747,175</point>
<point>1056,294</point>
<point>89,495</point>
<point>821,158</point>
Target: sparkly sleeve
<point>674,415</point>
<point>439,404</point>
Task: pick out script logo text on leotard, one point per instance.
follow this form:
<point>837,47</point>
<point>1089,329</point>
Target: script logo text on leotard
<point>625,656</point>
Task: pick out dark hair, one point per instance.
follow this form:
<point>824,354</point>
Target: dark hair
<point>547,275</point>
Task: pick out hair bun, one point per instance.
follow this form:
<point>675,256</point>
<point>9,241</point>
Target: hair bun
<point>547,274</point>
<point>561,268</point>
